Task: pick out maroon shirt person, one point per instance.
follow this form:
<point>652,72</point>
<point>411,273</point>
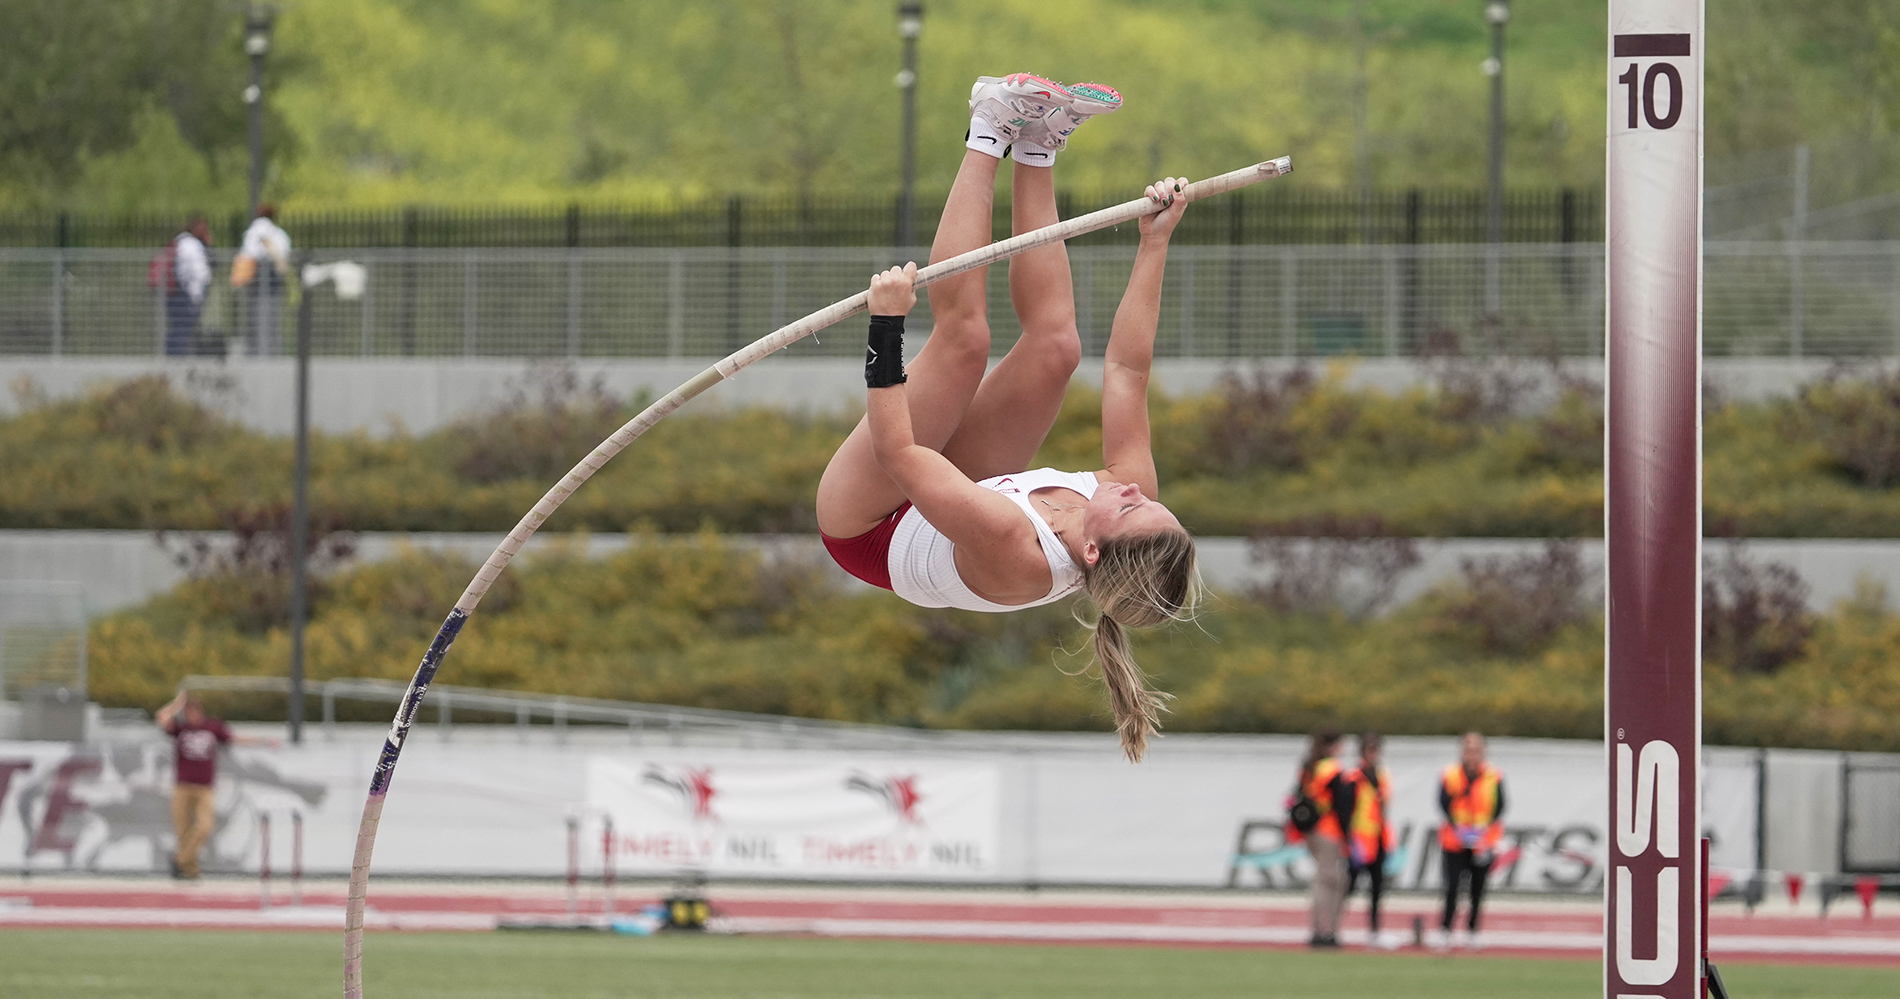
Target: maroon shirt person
<point>196,739</point>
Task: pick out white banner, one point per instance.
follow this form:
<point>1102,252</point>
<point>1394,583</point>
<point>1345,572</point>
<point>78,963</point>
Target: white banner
<point>487,804</point>
<point>901,821</point>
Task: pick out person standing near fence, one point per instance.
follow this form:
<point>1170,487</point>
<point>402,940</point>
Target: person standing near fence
<point>263,264</point>
<point>183,273</point>
<point>1320,798</point>
<point>196,737</point>
<point>1369,839</point>
<point>1471,794</point>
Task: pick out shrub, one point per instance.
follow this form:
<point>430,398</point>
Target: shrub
<point>548,424</point>
<point>1330,565</point>
<point>244,576</point>
<point>1514,604</point>
<point>702,622</point>
<point>1856,421</point>
<point>1254,425</point>
<point>1754,614</point>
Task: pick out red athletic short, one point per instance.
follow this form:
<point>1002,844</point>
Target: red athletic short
<point>868,556</point>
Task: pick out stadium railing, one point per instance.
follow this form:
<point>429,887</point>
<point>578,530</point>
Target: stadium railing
<point>1814,299</point>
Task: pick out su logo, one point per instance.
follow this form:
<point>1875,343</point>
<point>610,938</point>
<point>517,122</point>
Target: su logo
<point>1648,797</point>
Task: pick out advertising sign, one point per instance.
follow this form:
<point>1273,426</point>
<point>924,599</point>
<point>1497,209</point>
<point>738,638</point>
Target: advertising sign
<point>746,817</point>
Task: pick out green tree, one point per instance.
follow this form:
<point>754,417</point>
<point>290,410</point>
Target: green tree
<point>82,80</point>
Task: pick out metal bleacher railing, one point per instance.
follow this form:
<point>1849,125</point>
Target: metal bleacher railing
<point>1763,299</point>
<point>541,714</point>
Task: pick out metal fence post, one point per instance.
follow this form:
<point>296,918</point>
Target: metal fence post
<point>1391,302</point>
<point>1893,261</point>
<point>59,303</point>
<point>369,308</point>
<point>1236,231</point>
<point>1289,302</point>
<point>1797,238</point>
<point>1085,304</point>
<point>468,305</point>
<point>735,225</point>
<point>676,305</point>
<point>779,257</point>
<point>573,304</point>
<point>1187,301</point>
<point>1593,314</point>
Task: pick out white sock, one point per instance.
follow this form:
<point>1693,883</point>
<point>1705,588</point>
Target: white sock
<point>984,139</point>
<point>1033,154</point>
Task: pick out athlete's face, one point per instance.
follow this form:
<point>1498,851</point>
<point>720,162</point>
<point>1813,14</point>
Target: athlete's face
<point>1117,509</point>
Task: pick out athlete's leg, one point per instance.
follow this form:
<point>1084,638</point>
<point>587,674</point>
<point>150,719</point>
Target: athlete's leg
<point>1019,400</point>
<point>854,493</point>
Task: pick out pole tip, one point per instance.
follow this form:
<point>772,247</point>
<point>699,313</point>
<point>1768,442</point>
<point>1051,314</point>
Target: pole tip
<point>1277,167</point>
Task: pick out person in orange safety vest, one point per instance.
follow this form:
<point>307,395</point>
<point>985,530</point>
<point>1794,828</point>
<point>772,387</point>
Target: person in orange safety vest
<point>1471,794</point>
<point>1323,782</point>
<point>1369,837</point>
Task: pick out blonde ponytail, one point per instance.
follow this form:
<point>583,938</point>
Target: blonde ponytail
<point>1139,582</point>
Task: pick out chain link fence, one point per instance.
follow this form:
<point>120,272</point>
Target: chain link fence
<point>1762,299</point>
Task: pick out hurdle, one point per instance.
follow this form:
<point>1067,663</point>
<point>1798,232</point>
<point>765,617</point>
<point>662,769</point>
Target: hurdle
<point>1655,894</point>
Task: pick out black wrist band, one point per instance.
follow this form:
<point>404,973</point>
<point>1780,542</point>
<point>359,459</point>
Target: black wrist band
<point>884,352</point>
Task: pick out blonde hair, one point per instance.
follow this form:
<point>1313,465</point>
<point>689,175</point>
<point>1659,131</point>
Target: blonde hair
<point>1140,581</point>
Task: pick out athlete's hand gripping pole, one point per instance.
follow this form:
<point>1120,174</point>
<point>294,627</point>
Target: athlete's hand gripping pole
<point>772,343</point>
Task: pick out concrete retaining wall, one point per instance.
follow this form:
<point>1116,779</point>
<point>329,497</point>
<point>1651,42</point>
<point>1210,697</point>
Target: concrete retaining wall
<point>380,396</point>
<point>122,568</point>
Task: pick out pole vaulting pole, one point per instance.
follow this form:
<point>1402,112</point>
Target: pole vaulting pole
<point>726,368</point>
<point>1653,501</point>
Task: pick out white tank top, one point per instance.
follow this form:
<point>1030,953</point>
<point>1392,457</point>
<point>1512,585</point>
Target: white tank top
<point>923,562</point>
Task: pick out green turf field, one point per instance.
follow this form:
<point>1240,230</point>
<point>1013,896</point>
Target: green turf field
<point>159,964</point>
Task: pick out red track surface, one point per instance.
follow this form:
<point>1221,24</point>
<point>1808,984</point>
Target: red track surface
<point>1513,926</point>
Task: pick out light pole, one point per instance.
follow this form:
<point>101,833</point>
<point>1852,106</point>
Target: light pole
<point>258,19</point>
<point>1498,12</point>
<point>300,510</point>
<point>910,24</point>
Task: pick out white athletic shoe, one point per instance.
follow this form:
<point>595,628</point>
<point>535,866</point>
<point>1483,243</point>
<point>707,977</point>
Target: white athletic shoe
<point>1385,940</point>
<point>1461,939</point>
<point>1438,940</point>
<point>1086,100</point>
<point>1474,941</point>
<point>1011,104</point>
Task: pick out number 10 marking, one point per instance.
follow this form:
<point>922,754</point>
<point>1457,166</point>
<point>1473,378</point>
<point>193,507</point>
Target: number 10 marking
<point>1652,45</point>
<point>1668,118</point>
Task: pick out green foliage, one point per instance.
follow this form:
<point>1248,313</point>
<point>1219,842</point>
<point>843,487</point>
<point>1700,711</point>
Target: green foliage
<point>699,621</point>
<point>399,101</point>
<point>99,83</point>
<point>1280,455</point>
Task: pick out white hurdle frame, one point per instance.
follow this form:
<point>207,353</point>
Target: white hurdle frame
<point>627,434</point>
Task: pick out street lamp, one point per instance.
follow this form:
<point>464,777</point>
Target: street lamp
<point>258,19</point>
<point>910,24</point>
<point>1498,12</point>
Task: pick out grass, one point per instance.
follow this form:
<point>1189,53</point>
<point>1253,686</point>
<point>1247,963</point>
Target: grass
<point>163,964</point>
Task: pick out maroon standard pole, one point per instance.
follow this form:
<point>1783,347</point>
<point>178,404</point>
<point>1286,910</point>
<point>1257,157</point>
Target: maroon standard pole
<point>1652,506</point>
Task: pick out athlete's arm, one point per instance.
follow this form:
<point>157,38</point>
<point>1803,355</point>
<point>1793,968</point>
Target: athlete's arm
<point>969,515</point>
<point>1126,447</point>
